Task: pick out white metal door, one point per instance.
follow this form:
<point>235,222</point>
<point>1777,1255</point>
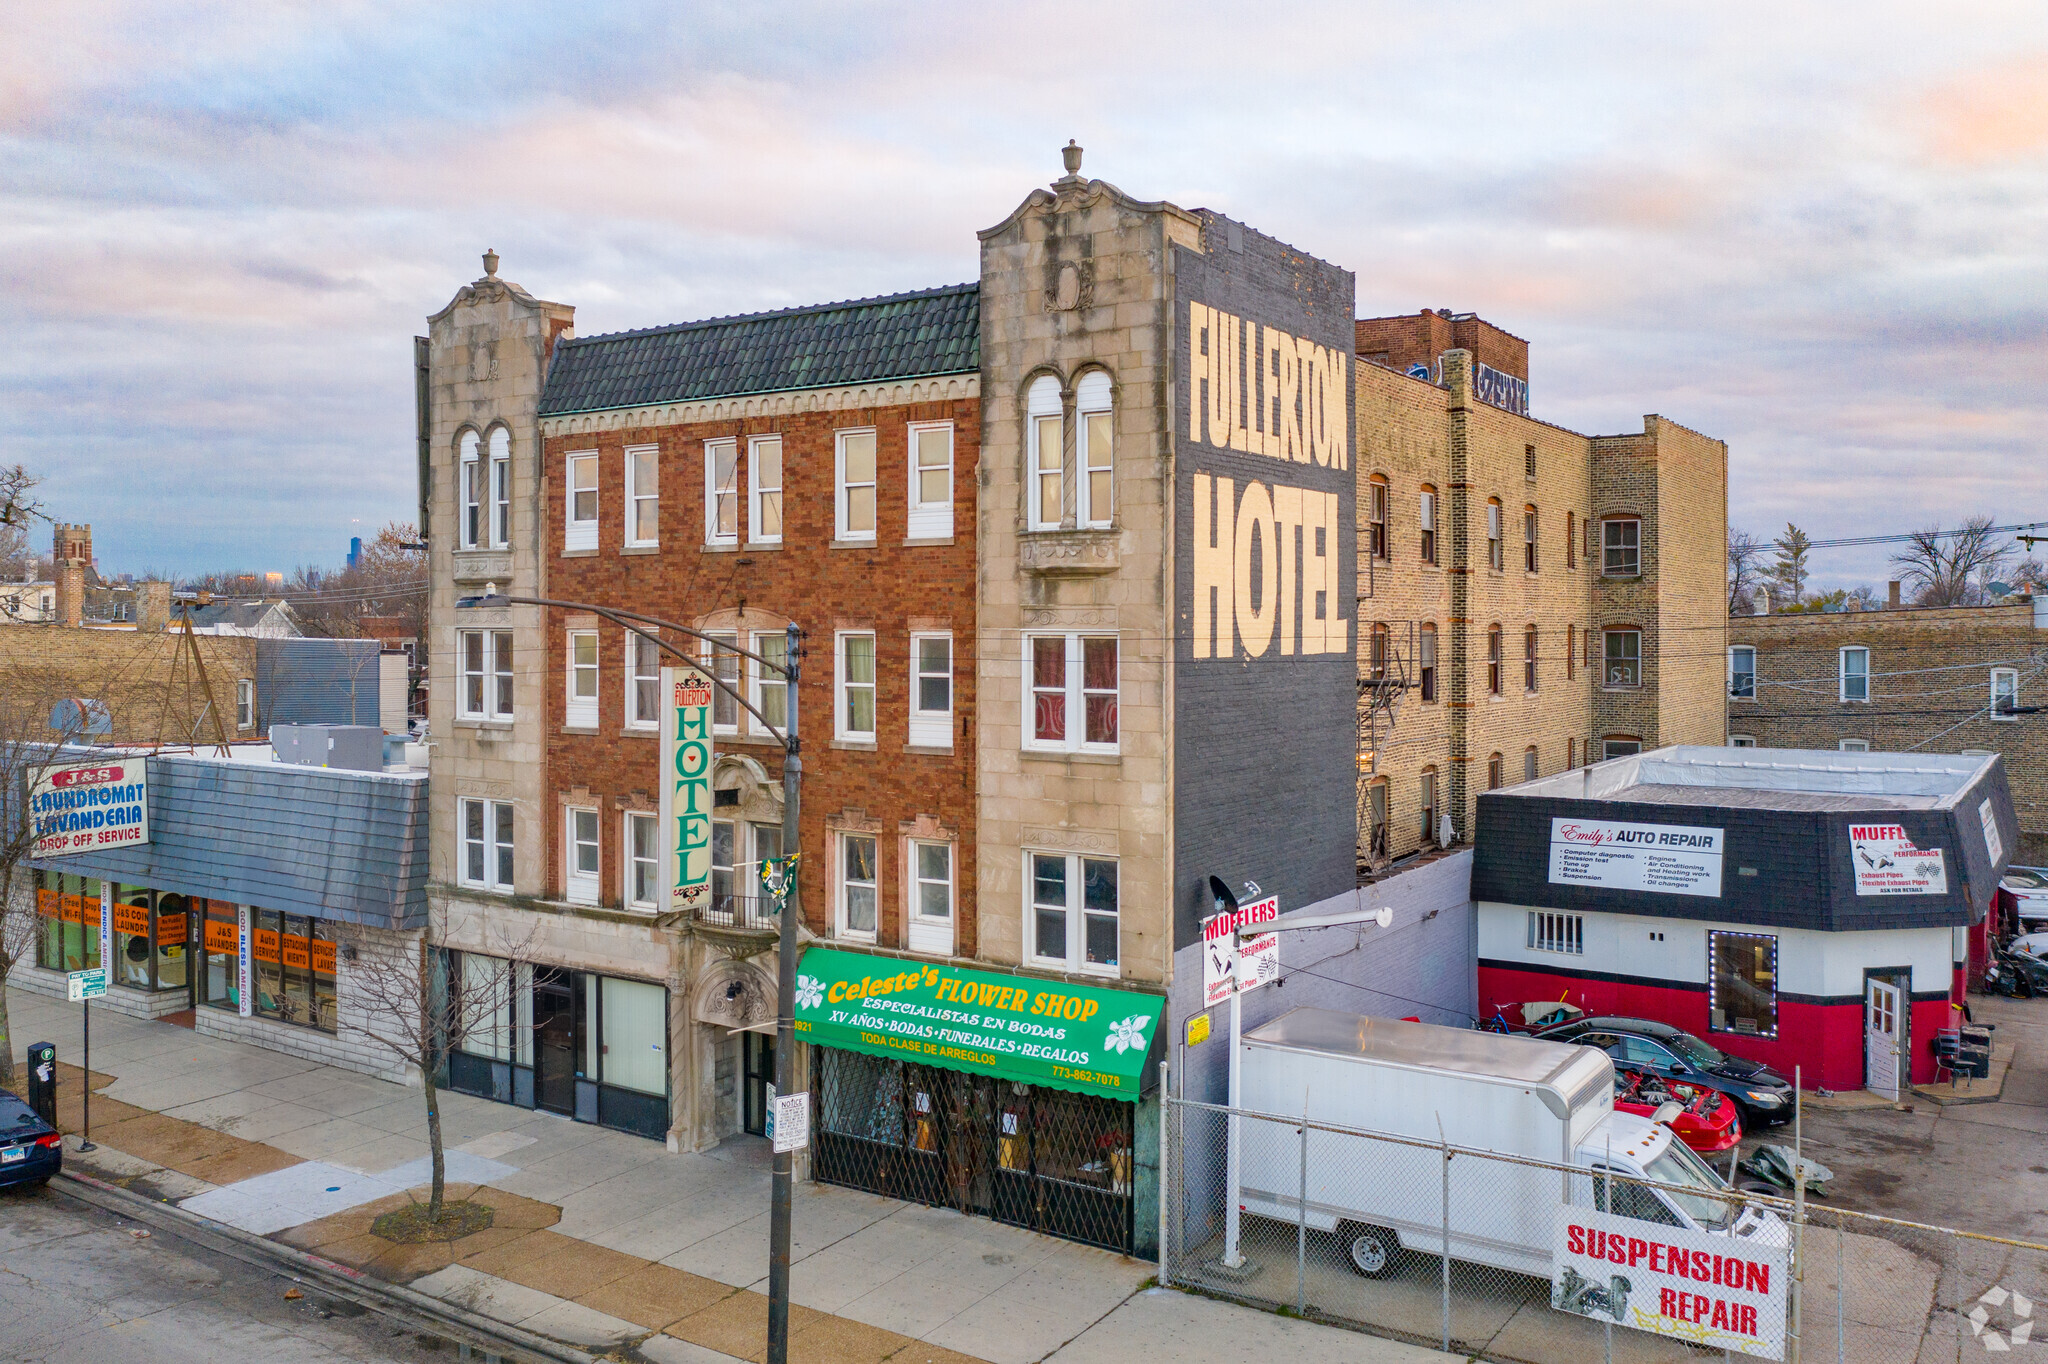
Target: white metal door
<point>1881,1037</point>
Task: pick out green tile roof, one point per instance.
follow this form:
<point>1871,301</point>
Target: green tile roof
<point>899,336</point>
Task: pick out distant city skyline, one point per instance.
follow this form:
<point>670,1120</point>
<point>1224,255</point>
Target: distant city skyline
<point>1814,233</point>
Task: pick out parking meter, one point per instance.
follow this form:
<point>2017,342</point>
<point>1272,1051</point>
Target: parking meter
<point>42,1080</point>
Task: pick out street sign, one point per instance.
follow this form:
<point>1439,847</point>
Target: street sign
<point>1247,962</point>
<point>83,985</point>
<point>792,1121</point>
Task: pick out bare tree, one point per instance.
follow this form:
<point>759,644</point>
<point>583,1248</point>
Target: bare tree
<point>1745,569</point>
<point>407,1000</point>
<point>1788,573</point>
<point>1951,568</point>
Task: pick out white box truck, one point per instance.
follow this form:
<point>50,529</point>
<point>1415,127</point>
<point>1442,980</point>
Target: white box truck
<point>1482,1091</point>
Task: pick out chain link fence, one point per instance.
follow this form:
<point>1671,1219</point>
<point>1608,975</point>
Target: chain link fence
<point>1508,1259</point>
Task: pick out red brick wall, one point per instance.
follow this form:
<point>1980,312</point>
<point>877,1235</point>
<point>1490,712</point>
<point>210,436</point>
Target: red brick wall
<point>884,588</point>
<point>1419,338</point>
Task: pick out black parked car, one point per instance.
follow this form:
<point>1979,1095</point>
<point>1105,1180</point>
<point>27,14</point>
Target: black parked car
<point>1639,1044</point>
<point>30,1149</point>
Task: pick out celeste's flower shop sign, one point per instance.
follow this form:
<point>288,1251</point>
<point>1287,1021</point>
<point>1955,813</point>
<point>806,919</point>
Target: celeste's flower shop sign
<point>686,788</point>
<point>1041,1032</point>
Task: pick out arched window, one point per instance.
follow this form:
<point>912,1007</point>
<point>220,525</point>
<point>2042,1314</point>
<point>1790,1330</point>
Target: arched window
<point>1428,518</point>
<point>471,507</point>
<point>1493,772</point>
<point>1493,546</point>
<point>1529,539</point>
<point>1425,662</point>
<point>1428,804</point>
<point>1095,435</point>
<point>1376,819</point>
<point>1376,653</point>
<point>1529,659</point>
<point>501,488</point>
<point>1045,453</point>
<point>1529,763</point>
<point>1493,659</point>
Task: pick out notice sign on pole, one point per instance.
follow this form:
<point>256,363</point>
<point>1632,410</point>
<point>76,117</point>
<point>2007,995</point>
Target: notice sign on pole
<point>1229,961</point>
<point>1887,863</point>
<point>89,807</point>
<point>686,787</point>
<point>1671,859</point>
<point>1694,1286</point>
<point>83,985</point>
<point>791,1130</point>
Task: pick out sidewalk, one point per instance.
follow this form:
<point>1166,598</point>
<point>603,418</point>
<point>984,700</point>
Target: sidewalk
<point>604,1240</point>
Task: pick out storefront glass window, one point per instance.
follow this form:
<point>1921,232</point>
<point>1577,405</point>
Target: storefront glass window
<point>483,986</point>
<point>173,927</point>
<point>1743,995</point>
<point>269,971</point>
<point>221,942</point>
<point>131,936</point>
<point>635,1036</point>
<point>67,921</point>
<point>325,1015</point>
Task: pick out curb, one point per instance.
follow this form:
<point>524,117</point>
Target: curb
<point>265,1253</point>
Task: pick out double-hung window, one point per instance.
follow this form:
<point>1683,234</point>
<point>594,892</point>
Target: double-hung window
<point>1071,692</point>
<point>486,661</point>
<point>1427,522</point>
<point>1621,548</point>
<point>1045,442</point>
<point>486,843</point>
<point>768,685</point>
<point>2005,693</point>
<point>856,485</point>
<point>931,897</point>
<point>1855,674</point>
<point>643,861</point>
<point>1493,660</point>
<point>931,691</point>
<point>1624,658</point>
<point>579,501</point>
<point>722,659</point>
<point>501,488</point>
<point>721,492</point>
<point>643,495</point>
<point>858,885</point>
<point>855,707</point>
<point>1073,911</point>
<point>764,490</point>
<point>643,683</point>
<point>1742,672</point>
<point>1425,662</point>
<point>245,703</point>
<point>1094,454</point>
<point>1376,516</point>
<point>471,532</point>
<point>581,883</point>
<point>931,481</point>
<point>1529,659</point>
<point>1528,539</point>
<point>582,666</point>
<point>1493,546</point>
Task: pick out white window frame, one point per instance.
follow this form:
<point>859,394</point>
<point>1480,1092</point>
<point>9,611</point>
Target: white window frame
<point>1042,402</point>
<point>469,506</point>
<point>581,887</point>
<point>841,489</point>
<point>1852,746</point>
<point>727,447</point>
<point>708,652</point>
<point>930,728</point>
<point>1093,397</point>
<point>634,720</point>
<point>1734,672</point>
<point>245,703</point>
<point>760,677</point>
<point>493,675</point>
<point>1494,548</point>
<point>1607,681</point>
<point>929,520</point>
<point>2011,691</point>
<point>501,488</point>
<point>1608,748</point>
<point>1742,741</point>
<point>841,885</point>
<point>579,532</point>
<point>580,712</point>
<point>759,490</point>
<point>1076,696</point>
<point>1426,526</point>
<point>492,811</point>
<point>1634,552</point>
<point>1843,675</point>
<point>1076,956</point>
<point>1553,932</point>
<point>843,687</point>
<point>635,495</point>
<point>930,934</point>
<point>630,862</point>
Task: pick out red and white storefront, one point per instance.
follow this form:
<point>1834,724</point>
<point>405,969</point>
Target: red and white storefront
<point>1811,911</point>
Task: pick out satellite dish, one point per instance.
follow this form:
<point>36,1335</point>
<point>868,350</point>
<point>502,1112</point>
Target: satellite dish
<point>1999,589</point>
<point>1385,918</point>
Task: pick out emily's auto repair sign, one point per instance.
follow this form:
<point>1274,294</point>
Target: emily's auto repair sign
<point>1887,862</point>
<point>88,808</point>
<point>1716,1291</point>
<point>1674,859</point>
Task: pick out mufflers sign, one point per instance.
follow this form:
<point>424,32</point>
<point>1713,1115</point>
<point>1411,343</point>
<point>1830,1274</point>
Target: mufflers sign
<point>89,808</point>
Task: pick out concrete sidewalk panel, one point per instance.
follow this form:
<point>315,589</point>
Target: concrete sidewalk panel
<point>655,1296</point>
<point>737,1325</point>
<point>1163,1324</point>
<point>485,1294</point>
<point>576,1324</point>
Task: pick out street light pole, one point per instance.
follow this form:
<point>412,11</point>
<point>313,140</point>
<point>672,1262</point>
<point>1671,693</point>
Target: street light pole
<point>786,944</point>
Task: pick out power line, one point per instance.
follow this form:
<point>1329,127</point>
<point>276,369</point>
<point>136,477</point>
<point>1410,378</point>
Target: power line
<point>1855,540</point>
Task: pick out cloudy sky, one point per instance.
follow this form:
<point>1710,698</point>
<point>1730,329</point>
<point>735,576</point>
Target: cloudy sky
<point>1817,231</point>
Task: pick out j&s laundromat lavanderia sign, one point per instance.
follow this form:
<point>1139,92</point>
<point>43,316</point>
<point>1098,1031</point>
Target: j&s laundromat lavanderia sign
<point>1041,1032</point>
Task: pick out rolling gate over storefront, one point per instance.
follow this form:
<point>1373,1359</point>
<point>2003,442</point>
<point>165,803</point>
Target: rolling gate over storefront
<point>1003,1096</point>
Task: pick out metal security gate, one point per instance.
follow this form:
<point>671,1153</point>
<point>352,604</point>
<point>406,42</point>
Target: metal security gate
<point>1030,1156</point>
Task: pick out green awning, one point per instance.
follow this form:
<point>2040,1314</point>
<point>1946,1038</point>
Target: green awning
<point>1042,1032</point>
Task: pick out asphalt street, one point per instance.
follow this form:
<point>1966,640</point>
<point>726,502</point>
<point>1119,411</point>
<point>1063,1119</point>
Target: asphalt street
<point>79,1286</point>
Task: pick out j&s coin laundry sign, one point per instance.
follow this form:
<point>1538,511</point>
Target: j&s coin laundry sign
<point>1671,859</point>
<point>87,808</point>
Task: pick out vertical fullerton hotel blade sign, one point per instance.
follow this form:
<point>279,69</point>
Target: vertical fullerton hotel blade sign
<point>686,788</point>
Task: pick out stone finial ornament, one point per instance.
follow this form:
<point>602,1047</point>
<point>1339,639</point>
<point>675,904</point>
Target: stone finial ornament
<point>1070,155</point>
<point>491,264</point>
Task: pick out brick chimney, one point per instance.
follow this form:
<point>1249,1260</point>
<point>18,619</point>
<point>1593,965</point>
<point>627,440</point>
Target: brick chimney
<point>152,607</point>
<point>1892,595</point>
<point>71,547</point>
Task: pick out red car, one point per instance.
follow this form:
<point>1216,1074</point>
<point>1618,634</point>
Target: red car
<point>1707,1120</point>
